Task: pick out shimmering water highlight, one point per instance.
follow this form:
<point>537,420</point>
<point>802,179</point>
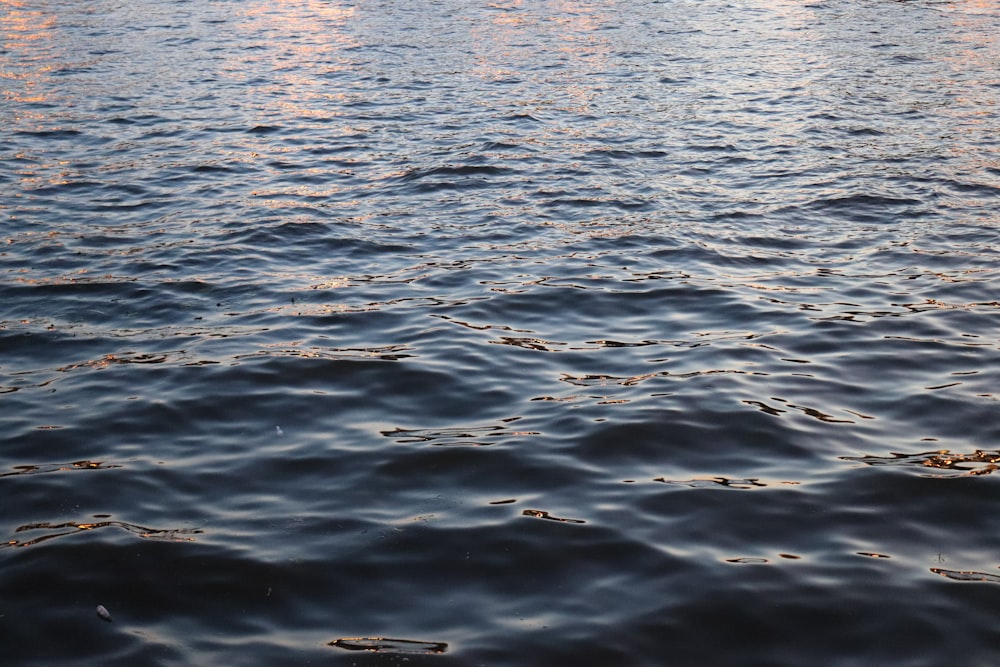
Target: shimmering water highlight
<point>505,333</point>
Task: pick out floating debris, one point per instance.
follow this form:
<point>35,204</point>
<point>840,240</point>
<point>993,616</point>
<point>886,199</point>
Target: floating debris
<point>103,613</point>
<point>386,645</point>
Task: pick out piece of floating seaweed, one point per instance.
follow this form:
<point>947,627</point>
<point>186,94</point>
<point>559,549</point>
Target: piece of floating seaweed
<point>962,575</point>
<point>387,645</point>
<point>979,462</point>
<point>73,528</point>
<point>539,514</point>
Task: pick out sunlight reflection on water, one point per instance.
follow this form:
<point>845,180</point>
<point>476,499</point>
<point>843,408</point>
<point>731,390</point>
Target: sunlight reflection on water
<point>555,332</point>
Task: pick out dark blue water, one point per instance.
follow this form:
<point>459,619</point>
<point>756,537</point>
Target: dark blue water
<point>499,333</point>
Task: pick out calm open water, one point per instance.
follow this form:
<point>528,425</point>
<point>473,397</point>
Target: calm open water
<point>510,333</point>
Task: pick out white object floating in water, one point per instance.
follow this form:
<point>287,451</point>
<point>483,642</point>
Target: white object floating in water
<point>277,429</point>
<point>103,613</point>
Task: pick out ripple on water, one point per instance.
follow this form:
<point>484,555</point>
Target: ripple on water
<point>508,335</point>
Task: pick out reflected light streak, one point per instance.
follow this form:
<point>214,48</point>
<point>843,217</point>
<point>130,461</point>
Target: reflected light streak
<point>27,43</point>
<point>574,26</point>
<point>976,77</point>
<point>321,31</point>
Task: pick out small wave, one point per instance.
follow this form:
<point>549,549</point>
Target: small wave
<point>618,154</point>
<point>865,207</point>
<point>51,134</point>
<point>454,170</point>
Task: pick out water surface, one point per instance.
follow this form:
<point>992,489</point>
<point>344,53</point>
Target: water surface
<point>503,333</point>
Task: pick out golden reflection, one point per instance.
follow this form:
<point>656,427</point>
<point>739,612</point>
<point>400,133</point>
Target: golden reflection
<point>319,27</point>
<point>573,26</point>
<point>973,50</point>
<point>334,283</point>
<point>540,514</point>
<point>26,32</point>
<point>112,360</point>
<point>967,575</point>
<point>935,304</point>
<point>949,464</point>
<point>72,527</point>
<point>308,35</point>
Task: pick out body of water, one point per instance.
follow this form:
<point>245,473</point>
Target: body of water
<point>508,333</point>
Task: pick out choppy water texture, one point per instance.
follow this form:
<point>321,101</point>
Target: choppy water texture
<point>504,333</point>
